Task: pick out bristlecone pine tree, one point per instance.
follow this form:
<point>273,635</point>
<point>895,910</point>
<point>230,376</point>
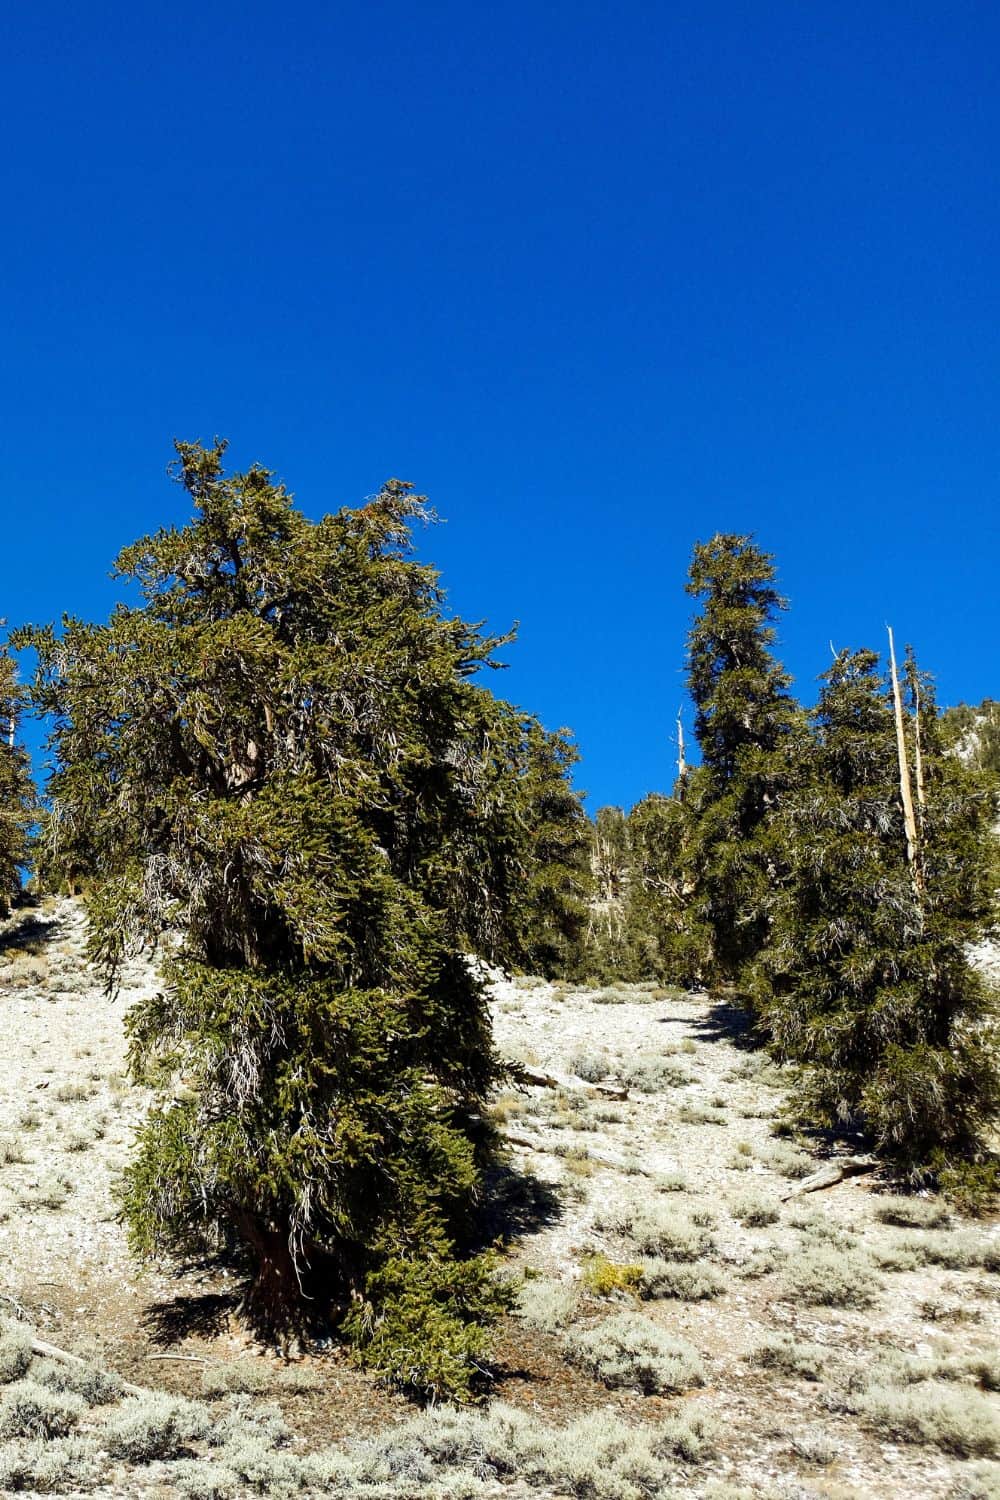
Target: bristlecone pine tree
<point>551,908</point>
<point>866,977</point>
<point>665,939</point>
<point>747,726</point>
<point>281,757</point>
<point>17,795</point>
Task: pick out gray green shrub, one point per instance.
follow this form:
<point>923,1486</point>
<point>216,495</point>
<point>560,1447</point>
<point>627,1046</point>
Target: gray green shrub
<point>630,1350</point>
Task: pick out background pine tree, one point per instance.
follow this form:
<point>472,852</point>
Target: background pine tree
<point>282,756</point>
<point>17,794</point>
<point>866,976</point>
<point>747,726</point>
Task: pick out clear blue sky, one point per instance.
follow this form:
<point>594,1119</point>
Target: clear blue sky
<point>600,278</point>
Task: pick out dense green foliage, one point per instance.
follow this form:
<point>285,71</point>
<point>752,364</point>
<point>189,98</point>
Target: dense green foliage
<point>282,756</point>
<point>865,977</point>
<point>17,795</point>
<point>975,735</point>
<point>643,923</point>
<point>748,727</point>
<point>551,906</point>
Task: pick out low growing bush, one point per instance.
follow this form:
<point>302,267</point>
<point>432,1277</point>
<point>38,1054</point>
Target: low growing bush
<point>962,1422</point>
<point>628,1350</point>
<point>826,1277</point>
<point>154,1425</point>
<point>30,1410</point>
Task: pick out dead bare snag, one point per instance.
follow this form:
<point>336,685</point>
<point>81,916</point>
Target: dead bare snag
<point>905,792</point>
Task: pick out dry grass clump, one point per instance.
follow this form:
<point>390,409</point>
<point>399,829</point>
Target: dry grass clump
<point>546,1305</point>
<point>51,1191</point>
<point>963,1422</point>
<point>822,1276</point>
<point>73,1093</point>
<point>754,1210</point>
<point>789,1356</point>
<point>628,1350</point>
<point>670,1182</point>
<point>680,1280</point>
<point>815,1447</point>
<point>29,1409</point>
<point>12,1150</point>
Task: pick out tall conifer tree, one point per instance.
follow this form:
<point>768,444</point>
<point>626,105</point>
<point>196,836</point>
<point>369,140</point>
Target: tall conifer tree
<point>866,978</point>
<point>17,794</point>
<point>747,725</point>
<point>281,755</point>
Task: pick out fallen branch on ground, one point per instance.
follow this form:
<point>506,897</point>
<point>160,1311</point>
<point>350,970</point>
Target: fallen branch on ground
<point>830,1174</point>
<point>572,1084</point>
<point>535,1143</point>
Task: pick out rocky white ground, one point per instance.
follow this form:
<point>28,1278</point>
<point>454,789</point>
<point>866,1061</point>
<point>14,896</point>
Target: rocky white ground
<point>880,1364</point>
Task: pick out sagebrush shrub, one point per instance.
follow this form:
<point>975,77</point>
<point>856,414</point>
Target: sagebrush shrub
<point>154,1425</point>
<point>239,1375</point>
<point>545,1304</point>
<point>15,1351</point>
<point>683,1280</point>
<point>96,1386</point>
<point>825,1277</point>
<point>789,1356</point>
<point>30,1410</point>
<point>656,1228</point>
<point>755,1210</point>
<point>963,1422</point>
<point>630,1350</point>
<point>914,1213</point>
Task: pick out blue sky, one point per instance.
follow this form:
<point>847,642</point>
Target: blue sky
<point>601,279</point>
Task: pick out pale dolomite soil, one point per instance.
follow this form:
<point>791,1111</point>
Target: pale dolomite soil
<point>693,1136</point>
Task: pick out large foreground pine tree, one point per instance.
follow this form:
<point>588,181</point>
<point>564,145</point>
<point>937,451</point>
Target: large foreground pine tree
<point>282,759</point>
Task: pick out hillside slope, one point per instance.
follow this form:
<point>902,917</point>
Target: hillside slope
<point>841,1343</point>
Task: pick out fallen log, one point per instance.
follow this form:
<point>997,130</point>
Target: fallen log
<point>572,1084</point>
<point>829,1175</point>
<point>45,1350</point>
<point>535,1143</point>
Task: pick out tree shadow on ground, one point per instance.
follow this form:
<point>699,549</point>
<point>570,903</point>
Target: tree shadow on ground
<point>515,1204</point>
<point>727,1021</point>
<point>30,935</point>
<point>177,1318</point>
